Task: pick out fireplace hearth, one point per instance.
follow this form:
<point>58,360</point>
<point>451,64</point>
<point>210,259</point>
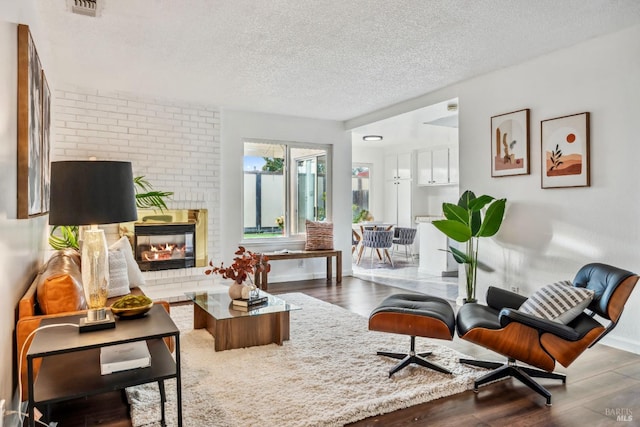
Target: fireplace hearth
<point>165,246</point>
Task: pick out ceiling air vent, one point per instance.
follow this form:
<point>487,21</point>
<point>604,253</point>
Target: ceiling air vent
<point>85,7</point>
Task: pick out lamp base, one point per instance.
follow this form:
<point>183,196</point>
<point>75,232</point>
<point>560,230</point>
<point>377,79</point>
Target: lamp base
<point>106,321</point>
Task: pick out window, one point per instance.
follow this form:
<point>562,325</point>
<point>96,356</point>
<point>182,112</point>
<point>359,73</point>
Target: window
<point>360,185</point>
<point>285,183</point>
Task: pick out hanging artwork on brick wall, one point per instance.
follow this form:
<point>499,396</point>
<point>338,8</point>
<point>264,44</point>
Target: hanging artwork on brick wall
<point>565,151</point>
<point>33,130</point>
<point>510,144</point>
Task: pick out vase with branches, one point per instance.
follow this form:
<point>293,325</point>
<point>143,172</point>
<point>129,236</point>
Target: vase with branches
<point>465,223</point>
<point>245,264</point>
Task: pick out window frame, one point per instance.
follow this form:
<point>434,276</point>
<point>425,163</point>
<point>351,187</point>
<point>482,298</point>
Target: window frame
<point>371,173</point>
<point>290,190</point>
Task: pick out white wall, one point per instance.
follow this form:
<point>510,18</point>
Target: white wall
<point>173,144</point>
<point>237,125</point>
<point>22,242</point>
<point>549,234</point>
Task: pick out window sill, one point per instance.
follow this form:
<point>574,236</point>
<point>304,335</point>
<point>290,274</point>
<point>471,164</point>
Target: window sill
<point>273,244</point>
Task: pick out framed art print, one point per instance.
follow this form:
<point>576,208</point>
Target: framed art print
<point>46,143</point>
<point>33,133</point>
<point>565,151</point>
<point>510,144</point>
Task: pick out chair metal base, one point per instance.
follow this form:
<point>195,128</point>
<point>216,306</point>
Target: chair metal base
<point>510,369</point>
<point>412,357</point>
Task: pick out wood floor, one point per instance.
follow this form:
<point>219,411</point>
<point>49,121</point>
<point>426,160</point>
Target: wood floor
<point>599,383</point>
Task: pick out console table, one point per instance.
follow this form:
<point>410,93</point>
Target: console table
<point>70,366</point>
<point>261,279</point>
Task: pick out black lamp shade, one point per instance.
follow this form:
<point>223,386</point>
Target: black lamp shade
<point>91,192</point>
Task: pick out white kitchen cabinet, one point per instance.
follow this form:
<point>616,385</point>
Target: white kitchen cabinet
<point>435,166</point>
<point>397,192</point>
<point>397,207</point>
<point>397,166</point>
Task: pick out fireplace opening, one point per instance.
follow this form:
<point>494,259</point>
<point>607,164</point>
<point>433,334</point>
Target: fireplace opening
<point>165,246</point>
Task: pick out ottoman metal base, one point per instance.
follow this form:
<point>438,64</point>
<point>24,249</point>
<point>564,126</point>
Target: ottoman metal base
<point>412,357</point>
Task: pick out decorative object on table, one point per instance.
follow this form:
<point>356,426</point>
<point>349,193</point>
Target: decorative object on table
<point>244,266</point>
<point>256,301</point>
<point>319,235</point>
<point>565,151</point>
<point>510,144</point>
<point>132,306</point>
<point>464,223</point>
<point>92,193</point>
<point>67,236</point>
<point>34,101</point>
<point>122,357</point>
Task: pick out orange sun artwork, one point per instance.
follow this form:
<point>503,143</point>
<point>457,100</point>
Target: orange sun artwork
<point>571,138</point>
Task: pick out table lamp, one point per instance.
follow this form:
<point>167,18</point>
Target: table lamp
<point>92,193</point>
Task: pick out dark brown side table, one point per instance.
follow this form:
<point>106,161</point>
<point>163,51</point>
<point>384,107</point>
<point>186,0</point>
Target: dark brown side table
<point>70,366</point>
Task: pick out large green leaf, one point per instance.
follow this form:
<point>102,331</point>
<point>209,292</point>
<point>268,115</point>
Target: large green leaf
<point>464,202</point>
<point>455,213</point>
<point>466,198</point>
<point>453,229</point>
<point>479,203</point>
<point>492,218</point>
<point>459,256</point>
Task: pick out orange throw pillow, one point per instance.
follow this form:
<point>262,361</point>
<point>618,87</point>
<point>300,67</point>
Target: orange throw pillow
<point>60,284</point>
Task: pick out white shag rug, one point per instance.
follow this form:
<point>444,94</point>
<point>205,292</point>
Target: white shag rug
<point>327,374</point>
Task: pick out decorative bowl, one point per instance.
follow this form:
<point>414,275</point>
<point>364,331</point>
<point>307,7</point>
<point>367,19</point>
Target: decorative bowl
<point>132,306</point>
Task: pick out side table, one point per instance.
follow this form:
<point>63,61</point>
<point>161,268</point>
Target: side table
<point>64,347</point>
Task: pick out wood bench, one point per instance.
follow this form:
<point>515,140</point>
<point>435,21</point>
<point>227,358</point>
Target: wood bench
<point>261,279</point>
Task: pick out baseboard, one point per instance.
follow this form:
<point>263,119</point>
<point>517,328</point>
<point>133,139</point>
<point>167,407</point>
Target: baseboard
<point>622,344</point>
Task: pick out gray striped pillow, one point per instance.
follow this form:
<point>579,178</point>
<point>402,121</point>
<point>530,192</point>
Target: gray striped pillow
<point>560,302</point>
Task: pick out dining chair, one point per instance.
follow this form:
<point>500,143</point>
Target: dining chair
<point>378,240</point>
<point>404,236</point>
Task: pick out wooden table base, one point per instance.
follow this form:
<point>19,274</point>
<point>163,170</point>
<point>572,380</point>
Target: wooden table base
<point>244,331</point>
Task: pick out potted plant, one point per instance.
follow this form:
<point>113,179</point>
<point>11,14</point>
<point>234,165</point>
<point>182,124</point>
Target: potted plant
<point>465,223</point>
<point>245,264</point>
<point>280,223</point>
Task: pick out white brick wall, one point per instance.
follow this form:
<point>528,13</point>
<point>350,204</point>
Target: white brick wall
<point>176,146</point>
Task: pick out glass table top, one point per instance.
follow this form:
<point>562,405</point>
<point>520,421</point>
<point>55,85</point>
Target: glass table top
<point>219,305</point>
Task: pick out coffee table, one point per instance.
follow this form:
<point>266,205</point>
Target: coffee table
<point>234,328</point>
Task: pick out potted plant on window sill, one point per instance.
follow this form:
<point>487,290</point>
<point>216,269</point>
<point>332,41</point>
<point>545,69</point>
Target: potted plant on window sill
<point>465,223</point>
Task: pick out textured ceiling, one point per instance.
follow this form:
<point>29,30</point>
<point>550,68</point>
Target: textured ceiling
<point>329,59</point>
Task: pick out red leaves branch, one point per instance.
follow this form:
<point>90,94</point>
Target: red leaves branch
<point>245,264</point>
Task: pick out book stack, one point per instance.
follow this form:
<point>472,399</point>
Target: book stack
<point>122,357</point>
<point>249,303</point>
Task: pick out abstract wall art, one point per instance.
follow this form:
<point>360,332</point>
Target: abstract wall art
<point>510,144</point>
<point>34,102</point>
<point>565,151</point>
